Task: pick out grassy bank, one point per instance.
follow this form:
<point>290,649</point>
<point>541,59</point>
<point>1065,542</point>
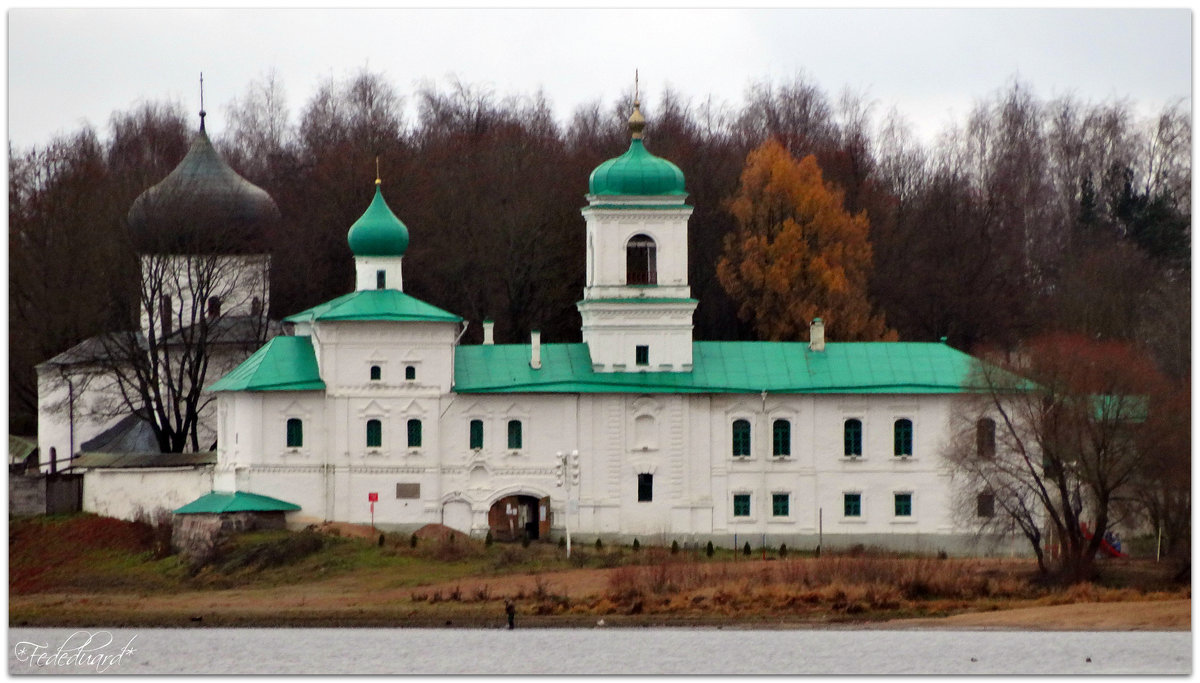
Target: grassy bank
<point>86,570</point>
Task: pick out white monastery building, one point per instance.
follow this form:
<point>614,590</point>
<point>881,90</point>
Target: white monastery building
<point>369,409</point>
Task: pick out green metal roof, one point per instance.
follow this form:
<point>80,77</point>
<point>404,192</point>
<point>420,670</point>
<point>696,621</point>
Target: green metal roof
<point>375,304</point>
<point>284,364</point>
<point>637,172</point>
<point>217,502</point>
<point>378,232</point>
<point>725,367</point>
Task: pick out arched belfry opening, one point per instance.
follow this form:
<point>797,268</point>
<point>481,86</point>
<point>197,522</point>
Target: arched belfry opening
<point>641,261</point>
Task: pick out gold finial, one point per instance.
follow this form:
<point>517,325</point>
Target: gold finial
<point>377,180</point>
<point>637,122</point>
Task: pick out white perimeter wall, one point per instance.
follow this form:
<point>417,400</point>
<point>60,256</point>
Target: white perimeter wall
<point>124,493</point>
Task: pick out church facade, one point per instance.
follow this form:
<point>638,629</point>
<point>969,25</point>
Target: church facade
<point>369,410</point>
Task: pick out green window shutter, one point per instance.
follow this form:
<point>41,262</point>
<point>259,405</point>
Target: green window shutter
<point>903,437</point>
<point>476,433</point>
<point>741,505</point>
<point>904,505</point>
<point>852,437</point>
<point>741,438</point>
<point>374,434</point>
<point>852,505</point>
<point>782,437</point>
<point>779,504</point>
<point>514,434</point>
<point>295,433</point>
<point>414,433</point>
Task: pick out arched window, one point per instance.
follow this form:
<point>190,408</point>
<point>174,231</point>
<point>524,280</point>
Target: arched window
<point>852,438</point>
<point>376,373</point>
<point>781,438</point>
<point>414,433</point>
<point>410,372</point>
<point>476,437</point>
<point>903,437</point>
<point>741,438</point>
<point>640,261</point>
<point>514,434</point>
<point>295,432</point>
<point>374,434</point>
<point>985,437</point>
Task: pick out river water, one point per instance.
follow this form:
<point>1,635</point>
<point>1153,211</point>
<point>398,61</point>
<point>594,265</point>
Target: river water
<point>596,650</point>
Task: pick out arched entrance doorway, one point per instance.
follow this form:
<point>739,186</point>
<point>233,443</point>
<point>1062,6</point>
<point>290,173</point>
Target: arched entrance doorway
<point>515,516</point>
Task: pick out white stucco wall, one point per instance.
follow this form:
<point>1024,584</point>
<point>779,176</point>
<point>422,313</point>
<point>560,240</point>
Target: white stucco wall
<point>126,493</point>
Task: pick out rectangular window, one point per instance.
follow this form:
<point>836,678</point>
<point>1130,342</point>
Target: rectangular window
<point>374,434</point>
<point>408,490</point>
<point>741,505</point>
<point>295,433</point>
<point>380,279</point>
<point>476,434</point>
<point>781,432</point>
<point>414,433</point>
<point>514,434</point>
<point>741,438</point>
<point>645,488</point>
<point>904,505</point>
<point>985,505</point>
<point>852,505</point>
<point>779,504</point>
<point>641,355</point>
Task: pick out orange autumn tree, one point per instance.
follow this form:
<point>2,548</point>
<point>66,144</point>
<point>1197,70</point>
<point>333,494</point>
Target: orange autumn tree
<point>797,254</point>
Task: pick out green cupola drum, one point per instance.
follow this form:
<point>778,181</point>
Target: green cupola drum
<point>637,172</point>
<point>378,240</point>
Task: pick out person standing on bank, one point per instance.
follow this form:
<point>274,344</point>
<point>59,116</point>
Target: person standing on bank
<point>511,610</point>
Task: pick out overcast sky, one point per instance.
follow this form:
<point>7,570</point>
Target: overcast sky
<point>71,66</point>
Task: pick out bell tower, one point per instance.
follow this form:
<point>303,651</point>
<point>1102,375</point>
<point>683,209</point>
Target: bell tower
<point>637,306</point>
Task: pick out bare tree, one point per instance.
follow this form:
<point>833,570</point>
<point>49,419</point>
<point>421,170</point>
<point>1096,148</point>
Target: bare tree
<point>1053,443</point>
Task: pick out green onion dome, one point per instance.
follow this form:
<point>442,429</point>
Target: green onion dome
<point>378,232</point>
<point>637,171</point>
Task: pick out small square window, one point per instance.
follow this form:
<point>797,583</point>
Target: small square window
<point>779,504</point>
<point>645,488</point>
<point>852,505</point>
<point>642,355</point>
<point>904,505</point>
<point>985,505</point>
<point>741,505</point>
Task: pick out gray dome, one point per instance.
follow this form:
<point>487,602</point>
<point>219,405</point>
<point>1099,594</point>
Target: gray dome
<point>202,206</point>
